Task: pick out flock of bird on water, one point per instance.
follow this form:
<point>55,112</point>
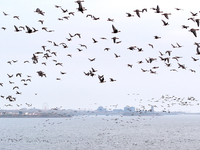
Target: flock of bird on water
<point>46,53</point>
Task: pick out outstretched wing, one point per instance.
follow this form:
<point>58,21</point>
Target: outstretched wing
<point>114,29</point>
<point>16,28</point>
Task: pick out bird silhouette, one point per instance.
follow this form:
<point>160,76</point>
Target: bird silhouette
<point>16,29</point>
<point>94,41</point>
<point>101,79</point>
<point>194,31</point>
<point>114,29</point>
<point>137,12</point>
<point>129,15</point>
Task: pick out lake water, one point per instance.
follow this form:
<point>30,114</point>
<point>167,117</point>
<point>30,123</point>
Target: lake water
<point>178,132</point>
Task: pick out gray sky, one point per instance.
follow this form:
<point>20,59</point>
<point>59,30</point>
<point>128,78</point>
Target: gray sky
<point>75,90</point>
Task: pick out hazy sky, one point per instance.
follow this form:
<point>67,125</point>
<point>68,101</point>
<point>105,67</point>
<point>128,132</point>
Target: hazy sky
<point>75,90</point>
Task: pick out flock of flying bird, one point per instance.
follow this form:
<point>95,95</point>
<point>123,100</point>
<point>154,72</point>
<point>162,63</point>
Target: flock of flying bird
<point>46,53</point>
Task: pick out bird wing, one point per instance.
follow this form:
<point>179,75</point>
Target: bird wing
<point>138,13</point>
<point>113,27</point>
<point>16,28</point>
<point>194,32</point>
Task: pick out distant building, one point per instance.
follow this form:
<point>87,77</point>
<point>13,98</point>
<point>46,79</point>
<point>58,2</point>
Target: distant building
<point>129,109</point>
<point>152,109</point>
<point>117,110</point>
<point>101,109</point>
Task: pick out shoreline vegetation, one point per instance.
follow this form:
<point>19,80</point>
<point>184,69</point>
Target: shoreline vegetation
<point>63,113</point>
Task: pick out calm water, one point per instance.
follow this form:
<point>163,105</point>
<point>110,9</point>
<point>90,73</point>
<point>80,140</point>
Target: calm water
<point>101,133</point>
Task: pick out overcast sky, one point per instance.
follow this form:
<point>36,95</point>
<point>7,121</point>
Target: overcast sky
<point>76,90</point>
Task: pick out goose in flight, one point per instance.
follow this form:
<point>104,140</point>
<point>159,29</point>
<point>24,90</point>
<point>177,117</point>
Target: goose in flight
<point>80,7</point>
<point>109,19</point>
<point>64,11</point>
<point>94,41</point>
<point>185,27</point>
<point>93,70</point>
<point>16,29</point>
<point>116,56</point>
<point>166,15</point>
<point>82,45</point>
<point>179,46</point>
<point>112,80</point>
<point>157,37</point>
<point>153,72</point>
<point>198,52</point>
<point>17,17</point>
<point>178,9</point>
<point>101,79</point>
<point>69,39</point>
<point>157,9</point>
<point>66,17</point>
<point>69,55</point>
<point>71,13</point>
<point>14,61</point>
<point>95,18</point>
<point>62,72</point>
<point>39,11</point>
<point>129,65</point>
<point>92,59</point>
<point>10,76</point>
<point>15,87</point>
<point>41,73</point>
<point>79,49</point>
<point>106,49</point>
<point>87,74</point>
<point>181,66</point>
<point>194,31</point>
<point>5,13</point>
<point>114,39</point>
<point>129,15</point>
<point>151,45</point>
<point>195,59</point>
<point>197,21</point>
<point>89,15</point>
<point>114,29</point>
<point>78,34</point>
<point>19,74</point>
<point>165,23</point>
<point>138,12</point>
<point>29,30</point>
<point>44,63</point>
<point>57,6</point>
<point>41,21</point>
<point>58,64</point>
<point>194,14</point>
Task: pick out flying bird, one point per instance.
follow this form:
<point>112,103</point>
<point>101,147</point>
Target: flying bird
<point>166,15</point>
<point>92,59</point>
<point>116,56</point>
<point>16,29</point>
<point>137,12</point>
<point>94,41</point>
<point>101,79</point>
<point>109,19</point>
<point>129,15</point>
<point>114,29</point>
<point>29,30</point>
<point>165,23</point>
<point>112,80</point>
<point>17,17</point>
<point>194,31</point>
<point>5,13</point>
